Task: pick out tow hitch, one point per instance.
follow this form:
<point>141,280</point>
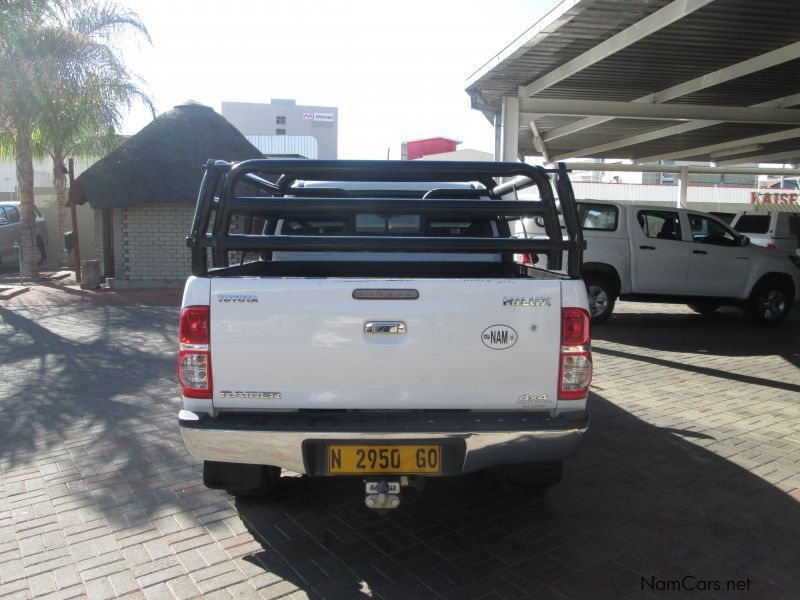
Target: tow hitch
<point>382,494</point>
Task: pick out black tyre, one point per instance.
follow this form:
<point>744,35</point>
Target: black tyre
<point>528,478</point>
<point>41,250</point>
<point>770,302</point>
<point>602,297</point>
<point>270,479</point>
<point>240,480</point>
<point>704,308</point>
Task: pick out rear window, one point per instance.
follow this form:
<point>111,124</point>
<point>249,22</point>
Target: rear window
<point>402,225</point>
<point>387,225</point>
<point>598,217</point>
<point>313,227</point>
<point>753,224</point>
<point>357,225</point>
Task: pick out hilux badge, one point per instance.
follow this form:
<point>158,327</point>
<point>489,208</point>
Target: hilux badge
<point>499,337</point>
<point>237,298</point>
<point>533,302</point>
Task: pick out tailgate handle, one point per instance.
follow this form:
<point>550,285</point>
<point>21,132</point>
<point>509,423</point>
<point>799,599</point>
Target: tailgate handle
<point>382,327</point>
<point>385,294</point>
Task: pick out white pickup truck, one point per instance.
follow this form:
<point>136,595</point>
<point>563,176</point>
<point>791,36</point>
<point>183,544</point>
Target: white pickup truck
<point>366,318</point>
<point>658,254</point>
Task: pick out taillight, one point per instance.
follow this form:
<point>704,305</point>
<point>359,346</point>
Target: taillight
<point>194,362</point>
<point>194,325</point>
<point>771,245</point>
<point>526,259</point>
<point>575,365</point>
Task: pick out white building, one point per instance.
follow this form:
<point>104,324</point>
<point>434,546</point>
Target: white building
<point>285,128</point>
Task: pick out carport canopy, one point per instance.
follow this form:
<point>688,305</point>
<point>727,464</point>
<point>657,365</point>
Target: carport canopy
<point>649,81</point>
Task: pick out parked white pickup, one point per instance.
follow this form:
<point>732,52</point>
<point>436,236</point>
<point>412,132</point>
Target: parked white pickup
<point>661,254</point>
<point>377,326</point>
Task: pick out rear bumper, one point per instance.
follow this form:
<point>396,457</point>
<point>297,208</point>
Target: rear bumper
<point>281,439</point>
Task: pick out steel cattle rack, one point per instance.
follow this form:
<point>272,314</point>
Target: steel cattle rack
<point>275,178</point>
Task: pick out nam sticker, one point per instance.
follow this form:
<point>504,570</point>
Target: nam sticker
<point>499,337</point>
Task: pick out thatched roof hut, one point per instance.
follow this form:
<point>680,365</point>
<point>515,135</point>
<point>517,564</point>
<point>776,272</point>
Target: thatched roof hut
<point>163,163</point>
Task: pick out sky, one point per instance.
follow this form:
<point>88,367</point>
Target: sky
<point>396,70</point>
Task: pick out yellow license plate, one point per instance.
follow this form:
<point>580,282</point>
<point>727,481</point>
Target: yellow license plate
<point>356,460</point>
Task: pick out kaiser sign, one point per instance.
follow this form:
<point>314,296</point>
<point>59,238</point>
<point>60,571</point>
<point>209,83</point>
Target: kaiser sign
<point>773,198</point>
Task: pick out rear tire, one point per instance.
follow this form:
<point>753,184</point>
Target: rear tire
<point>769,302</point>
<point>240,480</point>
<point>704,308</point>
<point>602,297</point>
<point>528,478</point>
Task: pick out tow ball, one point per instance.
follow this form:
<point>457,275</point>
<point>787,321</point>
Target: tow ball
<point>382,494</point>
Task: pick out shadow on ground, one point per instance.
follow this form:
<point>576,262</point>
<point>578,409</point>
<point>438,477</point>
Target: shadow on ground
<point>723,333</point>
<point>89,392</point>
<point>637,502</point>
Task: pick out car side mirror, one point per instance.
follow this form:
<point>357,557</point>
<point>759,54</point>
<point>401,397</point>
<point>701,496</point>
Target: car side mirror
<point>744,240</point>
<point>3,221</point>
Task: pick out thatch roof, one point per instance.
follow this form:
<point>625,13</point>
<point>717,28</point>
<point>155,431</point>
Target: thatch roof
<point>163,163</point>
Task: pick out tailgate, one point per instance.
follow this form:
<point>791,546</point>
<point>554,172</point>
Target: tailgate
<point>307,343</point>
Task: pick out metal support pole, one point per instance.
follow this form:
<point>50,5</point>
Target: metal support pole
<point>498,136</point>
<point>683,186</point>
<point>76,247</point>
<point>510,131</point>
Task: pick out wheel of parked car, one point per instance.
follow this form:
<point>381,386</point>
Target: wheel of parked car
<point>704,308</point>
<point>602,297</point>
<point>769,302</point>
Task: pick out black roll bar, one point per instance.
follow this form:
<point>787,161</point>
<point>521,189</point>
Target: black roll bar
<point>218,198</point>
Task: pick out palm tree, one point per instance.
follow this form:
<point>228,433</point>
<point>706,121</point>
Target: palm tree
<point>60,74</point>
<point>19,94</point>
<point>83,109</point>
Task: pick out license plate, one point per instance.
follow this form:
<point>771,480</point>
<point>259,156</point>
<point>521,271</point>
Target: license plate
<point>356,460</point>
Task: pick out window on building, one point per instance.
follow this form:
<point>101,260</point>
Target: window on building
<point>280,120</point>
<point>280,132</point>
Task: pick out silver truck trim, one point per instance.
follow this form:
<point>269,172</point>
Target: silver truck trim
<point>285,448</point>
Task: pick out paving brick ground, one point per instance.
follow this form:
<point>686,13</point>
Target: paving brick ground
<point>691,469</point>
